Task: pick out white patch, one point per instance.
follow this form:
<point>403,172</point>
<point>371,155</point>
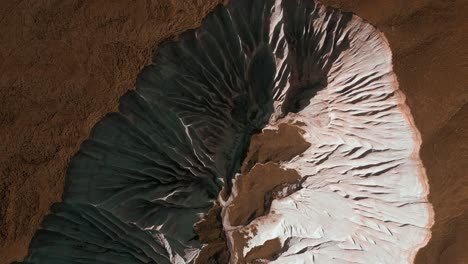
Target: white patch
<point>364,199</point>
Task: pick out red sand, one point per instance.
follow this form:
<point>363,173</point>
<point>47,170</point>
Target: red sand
<point>64,64</point>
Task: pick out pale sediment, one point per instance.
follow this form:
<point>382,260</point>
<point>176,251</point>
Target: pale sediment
<point>252,194</point>
<point>334,177</point>
<point>363,191</point>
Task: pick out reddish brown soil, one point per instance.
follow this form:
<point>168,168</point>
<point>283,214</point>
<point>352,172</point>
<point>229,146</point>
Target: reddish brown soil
<point>275,145</point>
<point>240,238</point>
<point>63,65</point>
<point>255,187</point>
<point>210,231</point>
<point>428,39</point>
<point>266,251</point>
<point>252,189</point>
<point>258,185</point>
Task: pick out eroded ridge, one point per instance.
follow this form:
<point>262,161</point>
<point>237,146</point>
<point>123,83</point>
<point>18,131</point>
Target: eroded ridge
<point>362,196</point>
<point>333,177</point>
<point>159,163</point>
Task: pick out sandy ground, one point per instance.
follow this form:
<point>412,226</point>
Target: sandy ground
<point>64,64</point>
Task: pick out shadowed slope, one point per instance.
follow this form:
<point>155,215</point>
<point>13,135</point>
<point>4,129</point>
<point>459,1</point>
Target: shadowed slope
<point>102,236</point>
<point>156,167</point>
<point>161,160</point>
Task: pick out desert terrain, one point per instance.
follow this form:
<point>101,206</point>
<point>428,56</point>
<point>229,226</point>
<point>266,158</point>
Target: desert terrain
<point>65,65</point>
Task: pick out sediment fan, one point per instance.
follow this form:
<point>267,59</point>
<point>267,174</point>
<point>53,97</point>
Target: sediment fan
<point>151,171</point>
